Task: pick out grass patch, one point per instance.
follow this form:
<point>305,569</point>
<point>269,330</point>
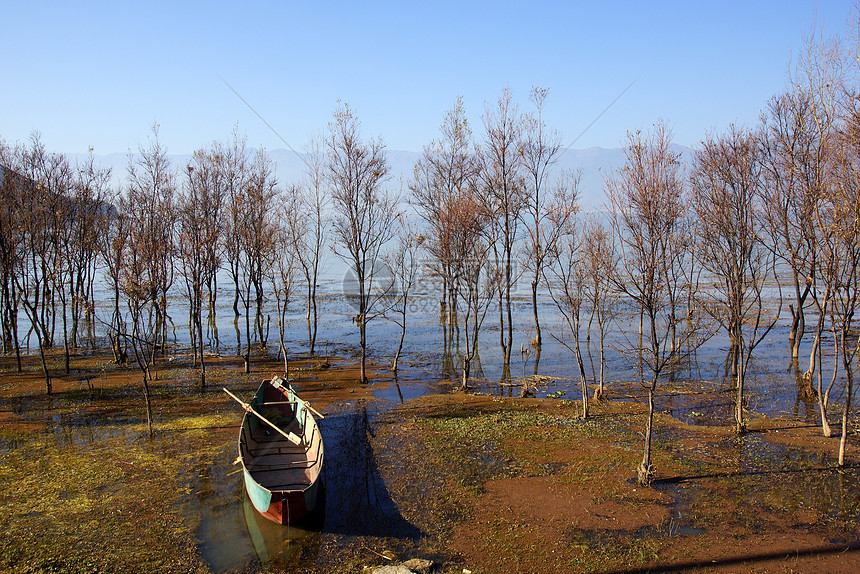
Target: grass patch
<point>109,508</point>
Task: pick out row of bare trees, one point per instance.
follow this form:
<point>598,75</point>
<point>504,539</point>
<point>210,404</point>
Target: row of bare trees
<point>766,212</point>
<point>49,242</point>
<point>762,212</point>
<point>757,217</point>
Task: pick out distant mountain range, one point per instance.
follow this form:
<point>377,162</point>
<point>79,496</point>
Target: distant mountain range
<point>596,164</point>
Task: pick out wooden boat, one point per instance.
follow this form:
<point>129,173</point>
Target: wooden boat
<point>281,451</point>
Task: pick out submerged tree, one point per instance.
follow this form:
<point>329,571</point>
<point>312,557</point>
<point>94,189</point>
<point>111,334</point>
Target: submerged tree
<point>11,237</point>
<point>308,228</point>
<point>365,214</point>
<point>113,247</point>
<point>541,149</point>
<point>725,186</point>
<point>788,198</point>
<point>94,198</point>
<point>42,203</point>
<point>150,212</point>
<point>235,166</point>
<point>568,288</point>
<point>844,205</point>
<point>503,187</point>
<point>282,269</point>
<point>199,209</point>
<point>146,271</point>
<point>404,265</point>
<point>443,177</point>
<point>258,242</point>
<point>477,280</point>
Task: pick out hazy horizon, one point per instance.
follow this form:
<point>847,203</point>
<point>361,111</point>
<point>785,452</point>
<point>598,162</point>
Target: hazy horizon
<point>100,76</point>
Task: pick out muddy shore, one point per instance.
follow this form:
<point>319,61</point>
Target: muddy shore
<point>480,482</point>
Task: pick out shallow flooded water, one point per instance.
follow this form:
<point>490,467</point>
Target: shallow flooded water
<point>356,511</point>
<point>354,505</point>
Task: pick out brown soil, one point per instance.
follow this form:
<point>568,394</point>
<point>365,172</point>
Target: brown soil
<point>575,516</point>
<point>494,484</point>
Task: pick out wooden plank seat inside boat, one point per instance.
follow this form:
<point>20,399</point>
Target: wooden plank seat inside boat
<point>277,472</point>
<point>274,460</point>
<point>262,444</point>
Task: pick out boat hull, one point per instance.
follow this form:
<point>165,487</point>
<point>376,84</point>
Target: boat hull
<point>281,451</point>
<point>284,507</point>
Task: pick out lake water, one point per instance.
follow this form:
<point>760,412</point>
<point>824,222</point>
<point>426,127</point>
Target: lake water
<point>772,384</point>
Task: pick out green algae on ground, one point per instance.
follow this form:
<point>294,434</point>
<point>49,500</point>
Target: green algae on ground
<point>94,493</point>
<point>509,485</point>
<point>108,508</point>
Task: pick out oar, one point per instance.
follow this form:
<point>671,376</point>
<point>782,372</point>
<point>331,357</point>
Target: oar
<point>277,383</point>
<point>290,436</point>
<point>310,408</point>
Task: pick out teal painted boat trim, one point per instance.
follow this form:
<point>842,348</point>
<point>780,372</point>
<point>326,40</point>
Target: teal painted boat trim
<point>261,497</point>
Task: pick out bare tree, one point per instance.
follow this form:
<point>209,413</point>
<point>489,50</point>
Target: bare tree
<point>42,207</point>
<point>309,228</point>
<point>261,197</point>
<point>568,288</point>
<point>541,149</point>
<point>235,167</point>
<point>92,203</point>
<point>477,280</point>
<point>139,283</point>
<point>11,238</point>
<point>844,203</point>
<point>251,187</point>
<point>443,177</point>
<point>725,185</point>
<point>647,207</point>
<point>283,268</point>
<point>404,263</point>
<point>198,237</point>
<point>150,210</point>
<point>113,246</point>
<point>789,199</point>
<point>505,197</point>
<point>600,263</point>
<point>365,213</point>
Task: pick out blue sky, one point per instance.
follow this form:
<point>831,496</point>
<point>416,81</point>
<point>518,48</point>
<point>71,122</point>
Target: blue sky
<point>91,74</point>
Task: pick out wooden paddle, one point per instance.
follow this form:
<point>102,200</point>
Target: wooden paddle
<point>290,436</point>
<point>277,383</point>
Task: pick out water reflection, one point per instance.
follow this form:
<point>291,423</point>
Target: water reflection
<point>354,504</point>
<point>279,546</point>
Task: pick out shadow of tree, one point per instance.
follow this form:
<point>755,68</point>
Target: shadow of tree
<point>849,553</point>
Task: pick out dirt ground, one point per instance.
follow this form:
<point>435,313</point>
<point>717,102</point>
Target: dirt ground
<point>492,484</point>
<point>564,495</point>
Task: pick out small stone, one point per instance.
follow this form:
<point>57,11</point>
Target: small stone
<point>393,569</point>
<point>418,565</point>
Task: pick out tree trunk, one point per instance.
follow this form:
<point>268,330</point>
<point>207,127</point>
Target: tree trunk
<point>314,321</point>
<point>645,470</point>
<point>247,355</point>
<point>199,320</point>
<point>363,344</point>
<point>843,440</point>
<point>148,400</point>
<point>849,390</point>
<point>537,340</point>
<point>508,278</point>
<point>402,336</point>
